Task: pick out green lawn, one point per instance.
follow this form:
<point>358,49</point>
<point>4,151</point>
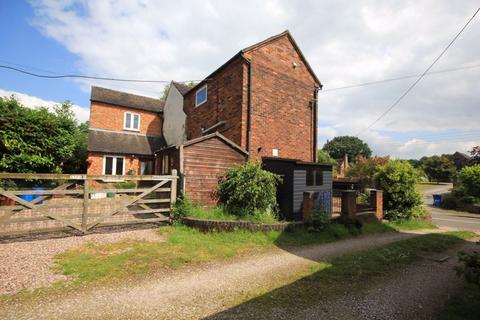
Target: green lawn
<point>425,186</point>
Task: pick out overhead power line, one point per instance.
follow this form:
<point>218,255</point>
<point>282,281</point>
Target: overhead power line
<point>393,105</point>
<point>364,84</point>
<point>80,76</point>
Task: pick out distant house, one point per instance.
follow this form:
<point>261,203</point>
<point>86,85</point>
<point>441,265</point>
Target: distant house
<point>260,103</point>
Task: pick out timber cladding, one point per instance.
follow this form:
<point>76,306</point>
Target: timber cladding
<point>204,163</point>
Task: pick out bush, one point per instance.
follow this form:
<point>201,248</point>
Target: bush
<point>449,201</point>
<point>470,180</point>
<point>468,199</point>
<point>471,267</point>
<point>248,188</point>
<point>126,185</point>
<point>183,207</point>
<point>319,221</point>
<point>397,179</point>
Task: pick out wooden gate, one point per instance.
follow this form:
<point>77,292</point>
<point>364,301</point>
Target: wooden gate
<point>56,202</point>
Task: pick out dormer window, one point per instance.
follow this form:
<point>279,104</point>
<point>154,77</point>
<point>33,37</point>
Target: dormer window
<point>201,96</point>
<point>131,121</point>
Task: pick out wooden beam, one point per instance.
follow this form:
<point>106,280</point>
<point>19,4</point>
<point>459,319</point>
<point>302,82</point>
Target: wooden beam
<point>126,204</point>
<point>113,178</point>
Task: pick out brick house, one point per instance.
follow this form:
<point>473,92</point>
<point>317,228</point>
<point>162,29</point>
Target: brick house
<point>125,130</point>
<point>260,103</point>
<point>263,99</point>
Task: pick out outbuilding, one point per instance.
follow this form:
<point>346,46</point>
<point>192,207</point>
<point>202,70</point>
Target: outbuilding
<point>200,163</point>
<point>299,177</point>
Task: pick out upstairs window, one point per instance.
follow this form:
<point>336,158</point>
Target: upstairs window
<point>201,96</point>
<point>113,165</point>
<point>131,121</point>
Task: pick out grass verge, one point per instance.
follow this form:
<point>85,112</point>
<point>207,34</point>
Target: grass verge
<point>464,305</point>
<point>186,246</point>
<point>345,273</point>
<point>410,225</point>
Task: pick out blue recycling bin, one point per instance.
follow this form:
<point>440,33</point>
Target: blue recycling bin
<point>31,197</point>
<point>437,200</point>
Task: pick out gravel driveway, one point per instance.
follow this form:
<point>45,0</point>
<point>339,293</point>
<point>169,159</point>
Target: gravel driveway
<point>28,264</point>
<point>190,293</point>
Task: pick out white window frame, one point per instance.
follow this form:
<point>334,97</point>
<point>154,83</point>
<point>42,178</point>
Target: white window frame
<point>114,164</point>
<point>206,95</point>
<point>132,114</point>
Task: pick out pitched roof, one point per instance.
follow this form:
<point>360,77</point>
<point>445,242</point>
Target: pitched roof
<point>182,88</point>
<point>123,143</point>
<point>210,136</point>
<point>295,45</point>
<point>127,100</point>
<point>258,45</point>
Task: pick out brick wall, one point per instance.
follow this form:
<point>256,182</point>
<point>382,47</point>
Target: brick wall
<point>111,117</point>
<point>96,166</point>
<point>281,116</point>
<point>224,103</point>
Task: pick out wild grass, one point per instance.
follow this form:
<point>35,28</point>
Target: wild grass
<point>186,246</point>
<point>410,225</point>
<point>220,213</point>
<point>464,305</point>
<point>346,273</point>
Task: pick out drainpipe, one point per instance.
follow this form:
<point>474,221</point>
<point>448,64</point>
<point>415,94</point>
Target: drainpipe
<point>249,104</point>
<point>315,120</point>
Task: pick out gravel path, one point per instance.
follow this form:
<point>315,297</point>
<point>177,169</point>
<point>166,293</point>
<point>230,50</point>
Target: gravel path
<point>415,292</point>
<point>190,293</point>
<point>28,264</point>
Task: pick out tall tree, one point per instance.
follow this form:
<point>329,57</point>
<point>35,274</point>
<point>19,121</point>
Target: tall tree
<point>439,168</point>
<point>365,169</point>
<point>475,153</point>
<point>35,140</point>
<point>352,146</point>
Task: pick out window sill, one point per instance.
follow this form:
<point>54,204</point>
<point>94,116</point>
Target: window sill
<point>134,130</point>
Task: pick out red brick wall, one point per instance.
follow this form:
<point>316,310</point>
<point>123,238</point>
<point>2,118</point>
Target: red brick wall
<point>281,114</point>
<point>111,117</point>
<point>204,163</point>
<point>224,103</point>
<point>96,166</point>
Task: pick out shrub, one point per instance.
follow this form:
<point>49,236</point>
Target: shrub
<point>470,269</point>
<point>248,188</point>
<point>319,221</point>
<point>470,180</point>
<point>397,179</point>
<point>126,185</point>
<point>468,199</point>
<point>183,207</point>
<point>449,201</point>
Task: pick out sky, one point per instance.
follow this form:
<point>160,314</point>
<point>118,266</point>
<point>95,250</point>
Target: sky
<point>346,43</point>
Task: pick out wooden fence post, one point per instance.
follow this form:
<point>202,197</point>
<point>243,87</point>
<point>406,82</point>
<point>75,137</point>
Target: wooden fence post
<point>85,206</point>
<point>173,193</point>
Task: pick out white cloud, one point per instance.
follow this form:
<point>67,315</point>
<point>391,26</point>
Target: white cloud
<point>81,114</point>
<point>346,42</point>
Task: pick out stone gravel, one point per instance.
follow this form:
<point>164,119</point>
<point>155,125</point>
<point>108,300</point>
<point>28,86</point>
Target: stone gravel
<point>28,264</point>
<point>190,293</point>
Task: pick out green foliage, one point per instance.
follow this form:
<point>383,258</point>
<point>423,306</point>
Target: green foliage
<point>37,140</point>
<point>397,179</point>
<point>126,185</point>
<point>365,169</point>
<point>352,146</point>
<point>324,158</point>
<point>470,269</point>
<point>449,201</point>
<point>8,185</point>
<point>248,188</point>
<point>439,168</point>
<point>185,208</point>
<point>77,163</point>
<point>320,220</point>
<point>470,180</point>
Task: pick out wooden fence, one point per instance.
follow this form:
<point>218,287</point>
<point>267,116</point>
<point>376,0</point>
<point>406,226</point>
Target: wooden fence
<point>58,202</point>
